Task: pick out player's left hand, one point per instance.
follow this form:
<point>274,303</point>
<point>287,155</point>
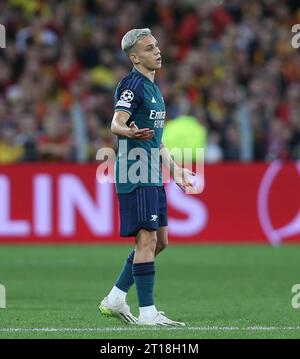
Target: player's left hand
<point>183,177</point>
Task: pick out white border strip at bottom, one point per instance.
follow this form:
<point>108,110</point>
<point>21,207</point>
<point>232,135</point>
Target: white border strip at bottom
<point>154,328</point>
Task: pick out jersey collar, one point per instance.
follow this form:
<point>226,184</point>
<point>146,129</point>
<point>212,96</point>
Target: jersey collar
<point>140,74</point>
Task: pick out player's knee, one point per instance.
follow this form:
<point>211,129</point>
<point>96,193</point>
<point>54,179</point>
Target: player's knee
<point>151,240</point>
<point>148,240</point>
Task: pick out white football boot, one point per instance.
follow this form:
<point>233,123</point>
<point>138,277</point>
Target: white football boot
<point>161,320</point>
<point>119,309</point>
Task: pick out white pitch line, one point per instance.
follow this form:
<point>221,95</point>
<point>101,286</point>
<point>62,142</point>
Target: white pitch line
<point>141,328</point>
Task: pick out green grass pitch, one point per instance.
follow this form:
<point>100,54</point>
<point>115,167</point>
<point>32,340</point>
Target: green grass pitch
<point>219,291</point>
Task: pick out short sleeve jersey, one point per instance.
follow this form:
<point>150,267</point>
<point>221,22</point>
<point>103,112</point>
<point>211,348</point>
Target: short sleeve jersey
<point>138,162</point>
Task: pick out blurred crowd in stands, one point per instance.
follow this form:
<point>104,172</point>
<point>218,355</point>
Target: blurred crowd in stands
<point>228,63</point>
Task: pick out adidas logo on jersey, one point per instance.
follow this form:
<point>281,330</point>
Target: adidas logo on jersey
<point>153,100</point>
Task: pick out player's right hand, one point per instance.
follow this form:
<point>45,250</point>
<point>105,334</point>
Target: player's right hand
<point>140,134</point>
